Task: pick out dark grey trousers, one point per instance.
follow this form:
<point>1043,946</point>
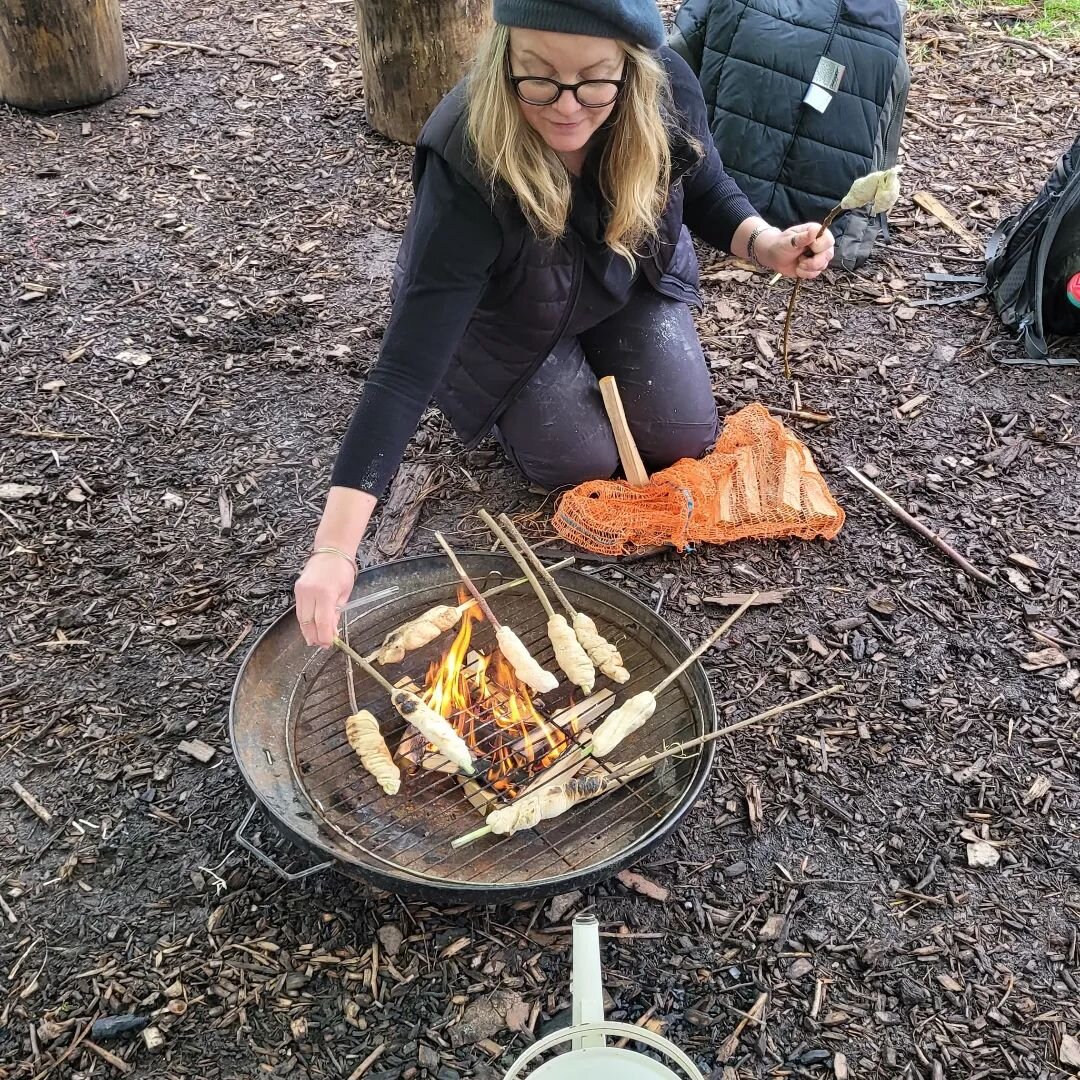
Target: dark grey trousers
<point>556,431</point>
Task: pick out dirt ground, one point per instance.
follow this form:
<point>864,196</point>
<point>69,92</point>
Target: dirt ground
<point>194,281</point>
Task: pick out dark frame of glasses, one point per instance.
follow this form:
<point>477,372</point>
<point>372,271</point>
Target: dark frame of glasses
<point>558,89</point>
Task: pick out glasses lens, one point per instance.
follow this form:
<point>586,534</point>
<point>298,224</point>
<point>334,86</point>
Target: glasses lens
<point>597,93</point>
<point>537,91</point>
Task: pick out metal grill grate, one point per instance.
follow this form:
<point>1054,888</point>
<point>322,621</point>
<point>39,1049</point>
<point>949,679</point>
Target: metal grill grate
<point>412,831</point>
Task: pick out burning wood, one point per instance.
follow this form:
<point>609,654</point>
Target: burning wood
<point>511,741</point>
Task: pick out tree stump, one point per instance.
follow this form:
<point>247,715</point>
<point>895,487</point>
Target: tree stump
<point>413,54</point>
<point>60,54</point>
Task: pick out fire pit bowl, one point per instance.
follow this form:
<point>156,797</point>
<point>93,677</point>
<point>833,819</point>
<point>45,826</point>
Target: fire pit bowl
<point>287,721</point>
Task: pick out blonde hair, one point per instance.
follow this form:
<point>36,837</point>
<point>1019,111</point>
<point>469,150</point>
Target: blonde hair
<point>635,172</point>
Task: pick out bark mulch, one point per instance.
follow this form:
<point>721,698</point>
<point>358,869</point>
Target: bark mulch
<point>195,280</point>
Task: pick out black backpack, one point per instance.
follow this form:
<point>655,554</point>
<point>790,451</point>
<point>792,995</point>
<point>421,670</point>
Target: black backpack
<point>757,62</point>
<point>1031,255</point>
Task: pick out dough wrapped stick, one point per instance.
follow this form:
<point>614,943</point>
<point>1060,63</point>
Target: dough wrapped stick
<point>525,666</point>
<point>623,721</point>
<point>569,654</point>
<point>362,731</point>
<point>434,728</point>
<point>528,811</point>
<point>418,632</point>
<point>636,711</point>
<point>599,651</point>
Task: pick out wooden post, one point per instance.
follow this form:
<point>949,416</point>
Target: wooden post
<point>60,54</point>
<point>412,55</point>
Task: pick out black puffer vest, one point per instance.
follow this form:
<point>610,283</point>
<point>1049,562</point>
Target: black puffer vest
<point>535,284</point>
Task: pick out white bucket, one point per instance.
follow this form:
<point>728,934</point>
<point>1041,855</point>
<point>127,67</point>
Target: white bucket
<point>589,1056</point>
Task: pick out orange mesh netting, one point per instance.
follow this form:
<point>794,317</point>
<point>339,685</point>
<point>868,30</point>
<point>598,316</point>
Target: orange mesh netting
<point>758,481</point>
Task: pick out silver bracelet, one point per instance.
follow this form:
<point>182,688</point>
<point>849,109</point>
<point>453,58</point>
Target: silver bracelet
<point>752,243</point>
<point>329,550</point>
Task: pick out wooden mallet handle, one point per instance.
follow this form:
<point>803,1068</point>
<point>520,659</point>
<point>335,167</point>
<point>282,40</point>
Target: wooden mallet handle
<point>633,466</point>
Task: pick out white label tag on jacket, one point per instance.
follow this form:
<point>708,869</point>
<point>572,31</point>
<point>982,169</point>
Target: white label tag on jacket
<point>826,82</point>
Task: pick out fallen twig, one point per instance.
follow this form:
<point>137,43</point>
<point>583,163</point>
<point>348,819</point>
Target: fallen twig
<point>31,802</point>
<point>731,1043</point>
<point>908,519</point>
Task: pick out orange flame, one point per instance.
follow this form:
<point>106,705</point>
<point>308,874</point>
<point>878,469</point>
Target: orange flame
<point>492,709</point>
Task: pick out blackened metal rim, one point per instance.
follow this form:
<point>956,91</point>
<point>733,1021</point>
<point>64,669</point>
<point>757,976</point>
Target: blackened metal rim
<point>403,881</point>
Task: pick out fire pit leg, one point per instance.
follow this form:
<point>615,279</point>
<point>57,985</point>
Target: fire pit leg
<point>251,849</point>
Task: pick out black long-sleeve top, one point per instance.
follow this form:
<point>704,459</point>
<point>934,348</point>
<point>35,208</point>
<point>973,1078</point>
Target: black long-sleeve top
<point>457,242</point>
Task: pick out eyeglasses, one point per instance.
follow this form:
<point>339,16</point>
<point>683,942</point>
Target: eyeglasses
<point>592,93</point>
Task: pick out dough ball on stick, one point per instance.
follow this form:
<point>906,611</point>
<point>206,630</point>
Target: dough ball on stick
<point>570,655</point>
<point>601,652</point>
<point>528,811</point>
<point>623,721</point>
<point>417,633</point>
<point>362,731</point>
<point>434,728</point>
<point>525,666</point>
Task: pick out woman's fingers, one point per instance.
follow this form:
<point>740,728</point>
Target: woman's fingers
<point>326,621</point>
<point>817,255</point>
<point>321,592</point>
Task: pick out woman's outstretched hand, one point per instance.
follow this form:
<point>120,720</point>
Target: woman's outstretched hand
<point>321,591</point>
<point>797,252</point>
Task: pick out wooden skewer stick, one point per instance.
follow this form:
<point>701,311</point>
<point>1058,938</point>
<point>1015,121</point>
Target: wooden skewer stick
<point>366,667</point>
<point>829,219</point>
<point>707,644</point>
<point>544,571</point>
<point>942,545</point>
<point>633,769</point>
<point>562,564</point>
<point>468,581</point>
<point>499,533</point>
<point>633,466</point>
<point>642,764</point>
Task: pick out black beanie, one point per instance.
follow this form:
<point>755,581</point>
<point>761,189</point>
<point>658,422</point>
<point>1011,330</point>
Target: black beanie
<point>634,21</point>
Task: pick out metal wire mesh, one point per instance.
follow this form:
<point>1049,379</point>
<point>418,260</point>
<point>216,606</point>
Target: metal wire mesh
<point>413,830</point>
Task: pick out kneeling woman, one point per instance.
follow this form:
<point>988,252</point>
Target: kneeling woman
<point>548,247</point>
